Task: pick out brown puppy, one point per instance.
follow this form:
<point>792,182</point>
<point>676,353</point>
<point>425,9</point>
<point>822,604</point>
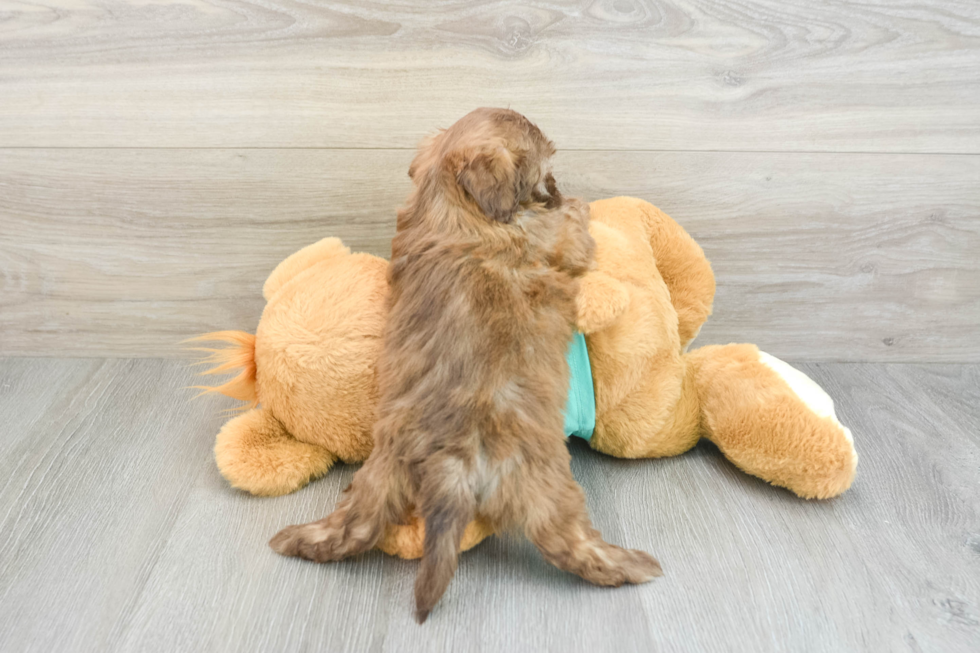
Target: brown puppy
<point>473,376</point>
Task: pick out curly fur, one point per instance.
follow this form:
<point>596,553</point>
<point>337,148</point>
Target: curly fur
<point>473,376</point>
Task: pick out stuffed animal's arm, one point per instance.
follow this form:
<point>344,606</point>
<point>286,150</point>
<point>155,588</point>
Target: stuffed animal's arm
<point>601,299</point>
<point>684,269</point>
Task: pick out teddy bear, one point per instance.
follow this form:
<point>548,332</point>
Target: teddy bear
<point>308,372</point>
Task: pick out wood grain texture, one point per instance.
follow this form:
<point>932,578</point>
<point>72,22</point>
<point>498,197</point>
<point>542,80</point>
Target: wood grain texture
<point>606,74</point>
<point>818,256</point>
<point>118,534</point>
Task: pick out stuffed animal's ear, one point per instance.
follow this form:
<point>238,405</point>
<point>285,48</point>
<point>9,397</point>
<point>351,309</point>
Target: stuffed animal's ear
<point>600,301</point>
<point>489,176</point>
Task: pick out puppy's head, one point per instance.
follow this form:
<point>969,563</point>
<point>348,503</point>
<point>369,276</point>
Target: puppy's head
<point>492,161</point>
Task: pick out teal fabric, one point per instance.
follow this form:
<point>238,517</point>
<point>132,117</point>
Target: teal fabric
<point>580,408</point>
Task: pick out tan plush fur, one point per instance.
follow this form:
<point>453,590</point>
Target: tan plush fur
<point>472,374</point>
<point>653,399</point>
<point>649,294</point>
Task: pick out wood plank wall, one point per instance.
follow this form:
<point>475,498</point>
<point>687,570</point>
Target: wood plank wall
<point>159,157</point>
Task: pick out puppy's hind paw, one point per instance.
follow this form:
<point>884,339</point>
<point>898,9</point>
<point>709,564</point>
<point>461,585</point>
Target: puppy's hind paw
<point>286,541</point>
<point>613,566</point>
<point>640,567</point>
<point>303,541</point>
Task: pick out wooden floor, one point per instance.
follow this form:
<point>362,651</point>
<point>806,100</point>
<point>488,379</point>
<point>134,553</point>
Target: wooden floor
<point>118,534</point>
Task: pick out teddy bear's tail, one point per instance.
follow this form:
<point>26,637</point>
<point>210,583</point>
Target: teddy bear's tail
<point>239,354</point>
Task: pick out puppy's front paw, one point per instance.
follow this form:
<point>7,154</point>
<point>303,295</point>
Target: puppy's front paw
<point>577,209</point>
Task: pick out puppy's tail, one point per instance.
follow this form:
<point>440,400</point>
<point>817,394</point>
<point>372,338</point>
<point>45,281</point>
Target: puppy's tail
<point>444,528</point>
<point>239,355</point>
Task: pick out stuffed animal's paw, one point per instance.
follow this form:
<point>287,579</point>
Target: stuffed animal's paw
<point>601,299</point>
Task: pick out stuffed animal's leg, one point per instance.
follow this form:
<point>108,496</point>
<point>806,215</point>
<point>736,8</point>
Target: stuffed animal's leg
<point>406,540</point>
<point>772,421</point>
<point>255,453</point>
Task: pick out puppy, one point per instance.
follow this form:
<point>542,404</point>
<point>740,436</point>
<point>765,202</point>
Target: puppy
<point>473,376</point>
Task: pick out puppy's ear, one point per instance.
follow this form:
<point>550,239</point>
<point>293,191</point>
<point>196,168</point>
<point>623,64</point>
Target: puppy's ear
<point>490,177</point>
<point>426,153</point>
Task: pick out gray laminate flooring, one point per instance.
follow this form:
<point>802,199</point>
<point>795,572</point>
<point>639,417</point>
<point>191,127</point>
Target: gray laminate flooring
<point>118,534</point>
